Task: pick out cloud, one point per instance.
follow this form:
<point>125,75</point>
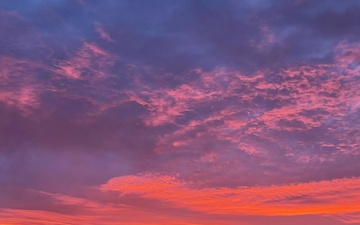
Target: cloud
<point>103,34</point>
<point>24,99</point>
<point>63,209</point>
<point>323,197</point>
<point>217,103</point>
<point>348,218</point>
<point>90,61</point>
<point>19,91</point>
<point>287,118</point>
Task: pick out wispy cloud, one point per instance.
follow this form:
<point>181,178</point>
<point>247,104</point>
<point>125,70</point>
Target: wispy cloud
<point>103,34</point>
<point>90,61</point>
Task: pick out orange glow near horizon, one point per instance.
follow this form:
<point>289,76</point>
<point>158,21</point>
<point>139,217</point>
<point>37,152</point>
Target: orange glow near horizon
<point>323,197</point>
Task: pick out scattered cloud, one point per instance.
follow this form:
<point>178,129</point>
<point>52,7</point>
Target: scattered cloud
<point>189,112</point>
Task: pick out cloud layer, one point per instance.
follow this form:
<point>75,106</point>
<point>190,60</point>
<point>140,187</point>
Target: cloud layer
<point>324,197</point>
<point>189,112</point>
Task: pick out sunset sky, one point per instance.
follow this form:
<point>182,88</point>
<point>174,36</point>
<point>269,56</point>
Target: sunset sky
<point>179,112</point>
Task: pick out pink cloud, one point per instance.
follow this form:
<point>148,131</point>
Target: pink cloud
<point>305,94</point>
<point>19,88</point>
<point>103,34</point>
<point>25,99</point>
<point>90,61</point>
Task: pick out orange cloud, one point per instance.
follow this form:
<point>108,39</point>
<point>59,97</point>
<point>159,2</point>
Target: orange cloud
<point>112,215</point>
<point>323,197</point>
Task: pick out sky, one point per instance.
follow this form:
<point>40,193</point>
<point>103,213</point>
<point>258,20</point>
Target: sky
<point>181,112</point>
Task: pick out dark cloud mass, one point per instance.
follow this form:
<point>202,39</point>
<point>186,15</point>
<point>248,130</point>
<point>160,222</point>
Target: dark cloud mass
<point>179,112</point>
